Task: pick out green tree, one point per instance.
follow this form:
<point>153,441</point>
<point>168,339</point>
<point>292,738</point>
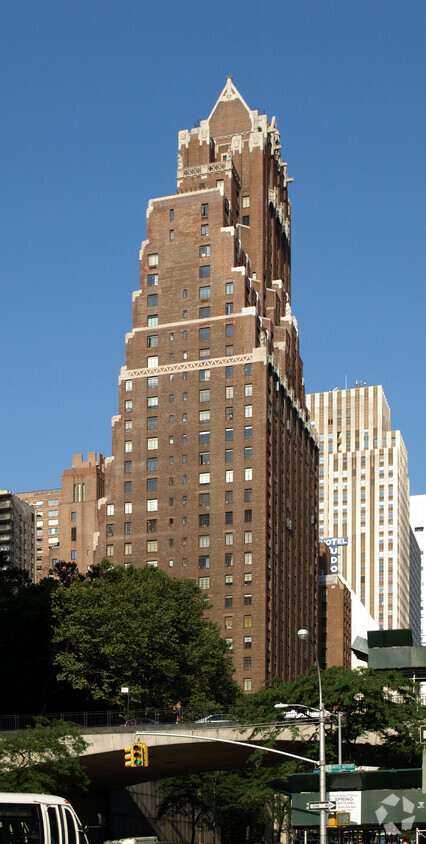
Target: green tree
<point>383,703</point>
<point>44,758</point>
<point>142,629</point>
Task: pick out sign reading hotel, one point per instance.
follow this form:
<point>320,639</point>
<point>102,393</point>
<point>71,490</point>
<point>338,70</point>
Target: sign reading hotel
<point>333,544</point>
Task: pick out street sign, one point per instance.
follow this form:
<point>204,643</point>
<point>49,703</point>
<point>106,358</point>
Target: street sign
<point>348,766</point>
<point>423,735</point>
<point>328,805</point>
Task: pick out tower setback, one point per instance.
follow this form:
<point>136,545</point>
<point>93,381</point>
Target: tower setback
<point>213,474</point>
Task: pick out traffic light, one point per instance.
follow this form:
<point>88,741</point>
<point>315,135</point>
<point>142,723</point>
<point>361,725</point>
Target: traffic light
<point>136,755</point>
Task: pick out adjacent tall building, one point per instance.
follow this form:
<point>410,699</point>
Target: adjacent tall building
<point>418,547</point>
<point>364,497</point>
<point>213,474</point>
<point>16,532</point>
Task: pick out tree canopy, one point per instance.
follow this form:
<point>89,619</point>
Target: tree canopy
<point>383,703</point>
<point>43,758</point>
<point>140,628</point>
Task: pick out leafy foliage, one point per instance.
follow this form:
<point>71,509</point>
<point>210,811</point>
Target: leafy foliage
<point>42,759</point>
<point>383,703</point>
<point>142,629</point>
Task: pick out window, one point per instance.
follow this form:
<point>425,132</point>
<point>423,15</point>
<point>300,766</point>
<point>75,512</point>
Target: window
<point>246,202</point>
<point>248,495</point>
<point>110,510</point>
<point>152,300</point>
<point>228,602</point>
<point>248,558</point>
<point>229,350</point>
<point>204,375</point>
<point>229,434</point>
<point>152,361</point>
<point>204,457</point>
<point>110,530</point>
<point>128,425</point>
<point>127,527</point>
<point>171,234</point>
<point>248,474</point>
<point>152,340</point>
<point>204,395</point>
<point>204,354</point>
<point>73,517</point>
<point>204,519</point>
<point>229,559</point>
<point>152,545</point>
<point>152,422</point>
<point>128,385</point>
<point>153,280</point>
<point>171,398</point>
<point>246,219</point>
<point>204,541</point>
<point>204,499</point>
<point>128,446</point>
<point>204,437</point>
<point>152,484</point>
<point>247,600</point>
<point>152,320</point>
<point>247,642</point>
<point>204,209</point>
<point>229,329</point>
<point>248,389</point>
<point>204,582</point>
<point>128,405</point>
<point>229,455</point>
<point>229,538</point>
<point>229,392</point>
<point>127,548</point>
<point>248,537</point>
<point>247,621</point>
<point>204,478</point>
<point>229,288</point>
<point>248,411</point>
<point>229,308</point>
<point>229,476</point>
<point>204,416</point>
<point>247,663</point>
<point>229,517</point>
<point>152,464</point>
<point>152,505</point>
<point>204,313</point>
<point>248,515</point>
<point>248,369</point>
<point>229,496</point>
<point>205,251</point>
<point>152,381</point>
<point>204,272</point>
<point>172,215</point>
<point>203,562</point>
<point>151,525</point>
<point>73,534</point>
<point>248,432</point>
<point>229,413</point>
<point>152,443</point>
<point>205,334</point>
<point>228,579</point>
<point>110,550</point>
<point>128,507</point>
<point>204,229</point>
<point>248,453</point>
<point>205,292</point>
<point>153,259</point>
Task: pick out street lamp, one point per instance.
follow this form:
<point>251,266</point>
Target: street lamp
<point>304,635</point>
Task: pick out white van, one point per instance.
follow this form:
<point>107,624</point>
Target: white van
<point>38,819</point>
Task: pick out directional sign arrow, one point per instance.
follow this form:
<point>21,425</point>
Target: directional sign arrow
<point>328,805</point>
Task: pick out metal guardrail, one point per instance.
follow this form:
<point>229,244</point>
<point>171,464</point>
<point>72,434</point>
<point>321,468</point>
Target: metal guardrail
<point>110,718</point>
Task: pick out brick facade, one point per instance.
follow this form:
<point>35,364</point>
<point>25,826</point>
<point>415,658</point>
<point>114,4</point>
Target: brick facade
<point>213,474</point>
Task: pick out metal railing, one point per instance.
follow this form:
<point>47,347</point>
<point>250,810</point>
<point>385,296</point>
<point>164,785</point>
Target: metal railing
<point>119,718</point>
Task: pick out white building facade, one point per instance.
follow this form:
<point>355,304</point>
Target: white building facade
<point>364,496</point>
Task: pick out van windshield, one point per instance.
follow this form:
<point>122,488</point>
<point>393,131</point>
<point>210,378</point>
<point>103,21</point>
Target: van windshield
<point>20,824</point>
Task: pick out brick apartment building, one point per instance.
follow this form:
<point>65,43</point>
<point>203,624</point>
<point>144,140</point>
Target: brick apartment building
<point>213,474</point>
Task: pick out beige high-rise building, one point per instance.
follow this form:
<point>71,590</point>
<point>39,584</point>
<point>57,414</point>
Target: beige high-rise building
<point>364,497</point>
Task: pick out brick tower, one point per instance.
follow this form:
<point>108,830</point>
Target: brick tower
<point>214,469</point>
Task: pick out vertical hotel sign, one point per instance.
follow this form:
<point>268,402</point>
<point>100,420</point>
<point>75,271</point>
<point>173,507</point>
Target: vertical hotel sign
<point>333,544</point>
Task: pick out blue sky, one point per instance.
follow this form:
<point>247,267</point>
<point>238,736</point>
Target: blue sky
<point>92,97</point>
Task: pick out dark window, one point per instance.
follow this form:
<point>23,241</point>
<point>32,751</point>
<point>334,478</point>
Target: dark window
<point>110,530</point>
<point>152,484</point>
<point>248,453</point>
<point>228,559</point>
<point>228,602</point>
<point>204,437</point>
<point>204,313</point>
<point>73,534</point>
<point>128,467</point>
<point>205,333</point>
<point>203,562</point>
<point>229,517</point>
<point>152,464</point>
<point>127,527</point>
<point>229,455</point>
<point>205,271</point>
<point>247,369</point>
<point>204,519</point>
<point>127,486</point>
<point>229,330</point>
<point>247,659</point>
<point>229,496</point>
<point>229,371</point>
<point>248,495</point>
<point>152,341</point>
<point>151,525</point>
<point>152,422</point>
<point>248,515</point>
<point>246,219</point>
<point>152,300</point>
<point>229,308</point>
<point>204,209</point>
<point>248,432</point>
<point>204,499</point>
<point>247,600</point>
<point>229,434</point>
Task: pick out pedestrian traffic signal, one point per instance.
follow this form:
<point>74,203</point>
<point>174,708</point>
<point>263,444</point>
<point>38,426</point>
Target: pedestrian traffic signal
<point>136,756</point>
